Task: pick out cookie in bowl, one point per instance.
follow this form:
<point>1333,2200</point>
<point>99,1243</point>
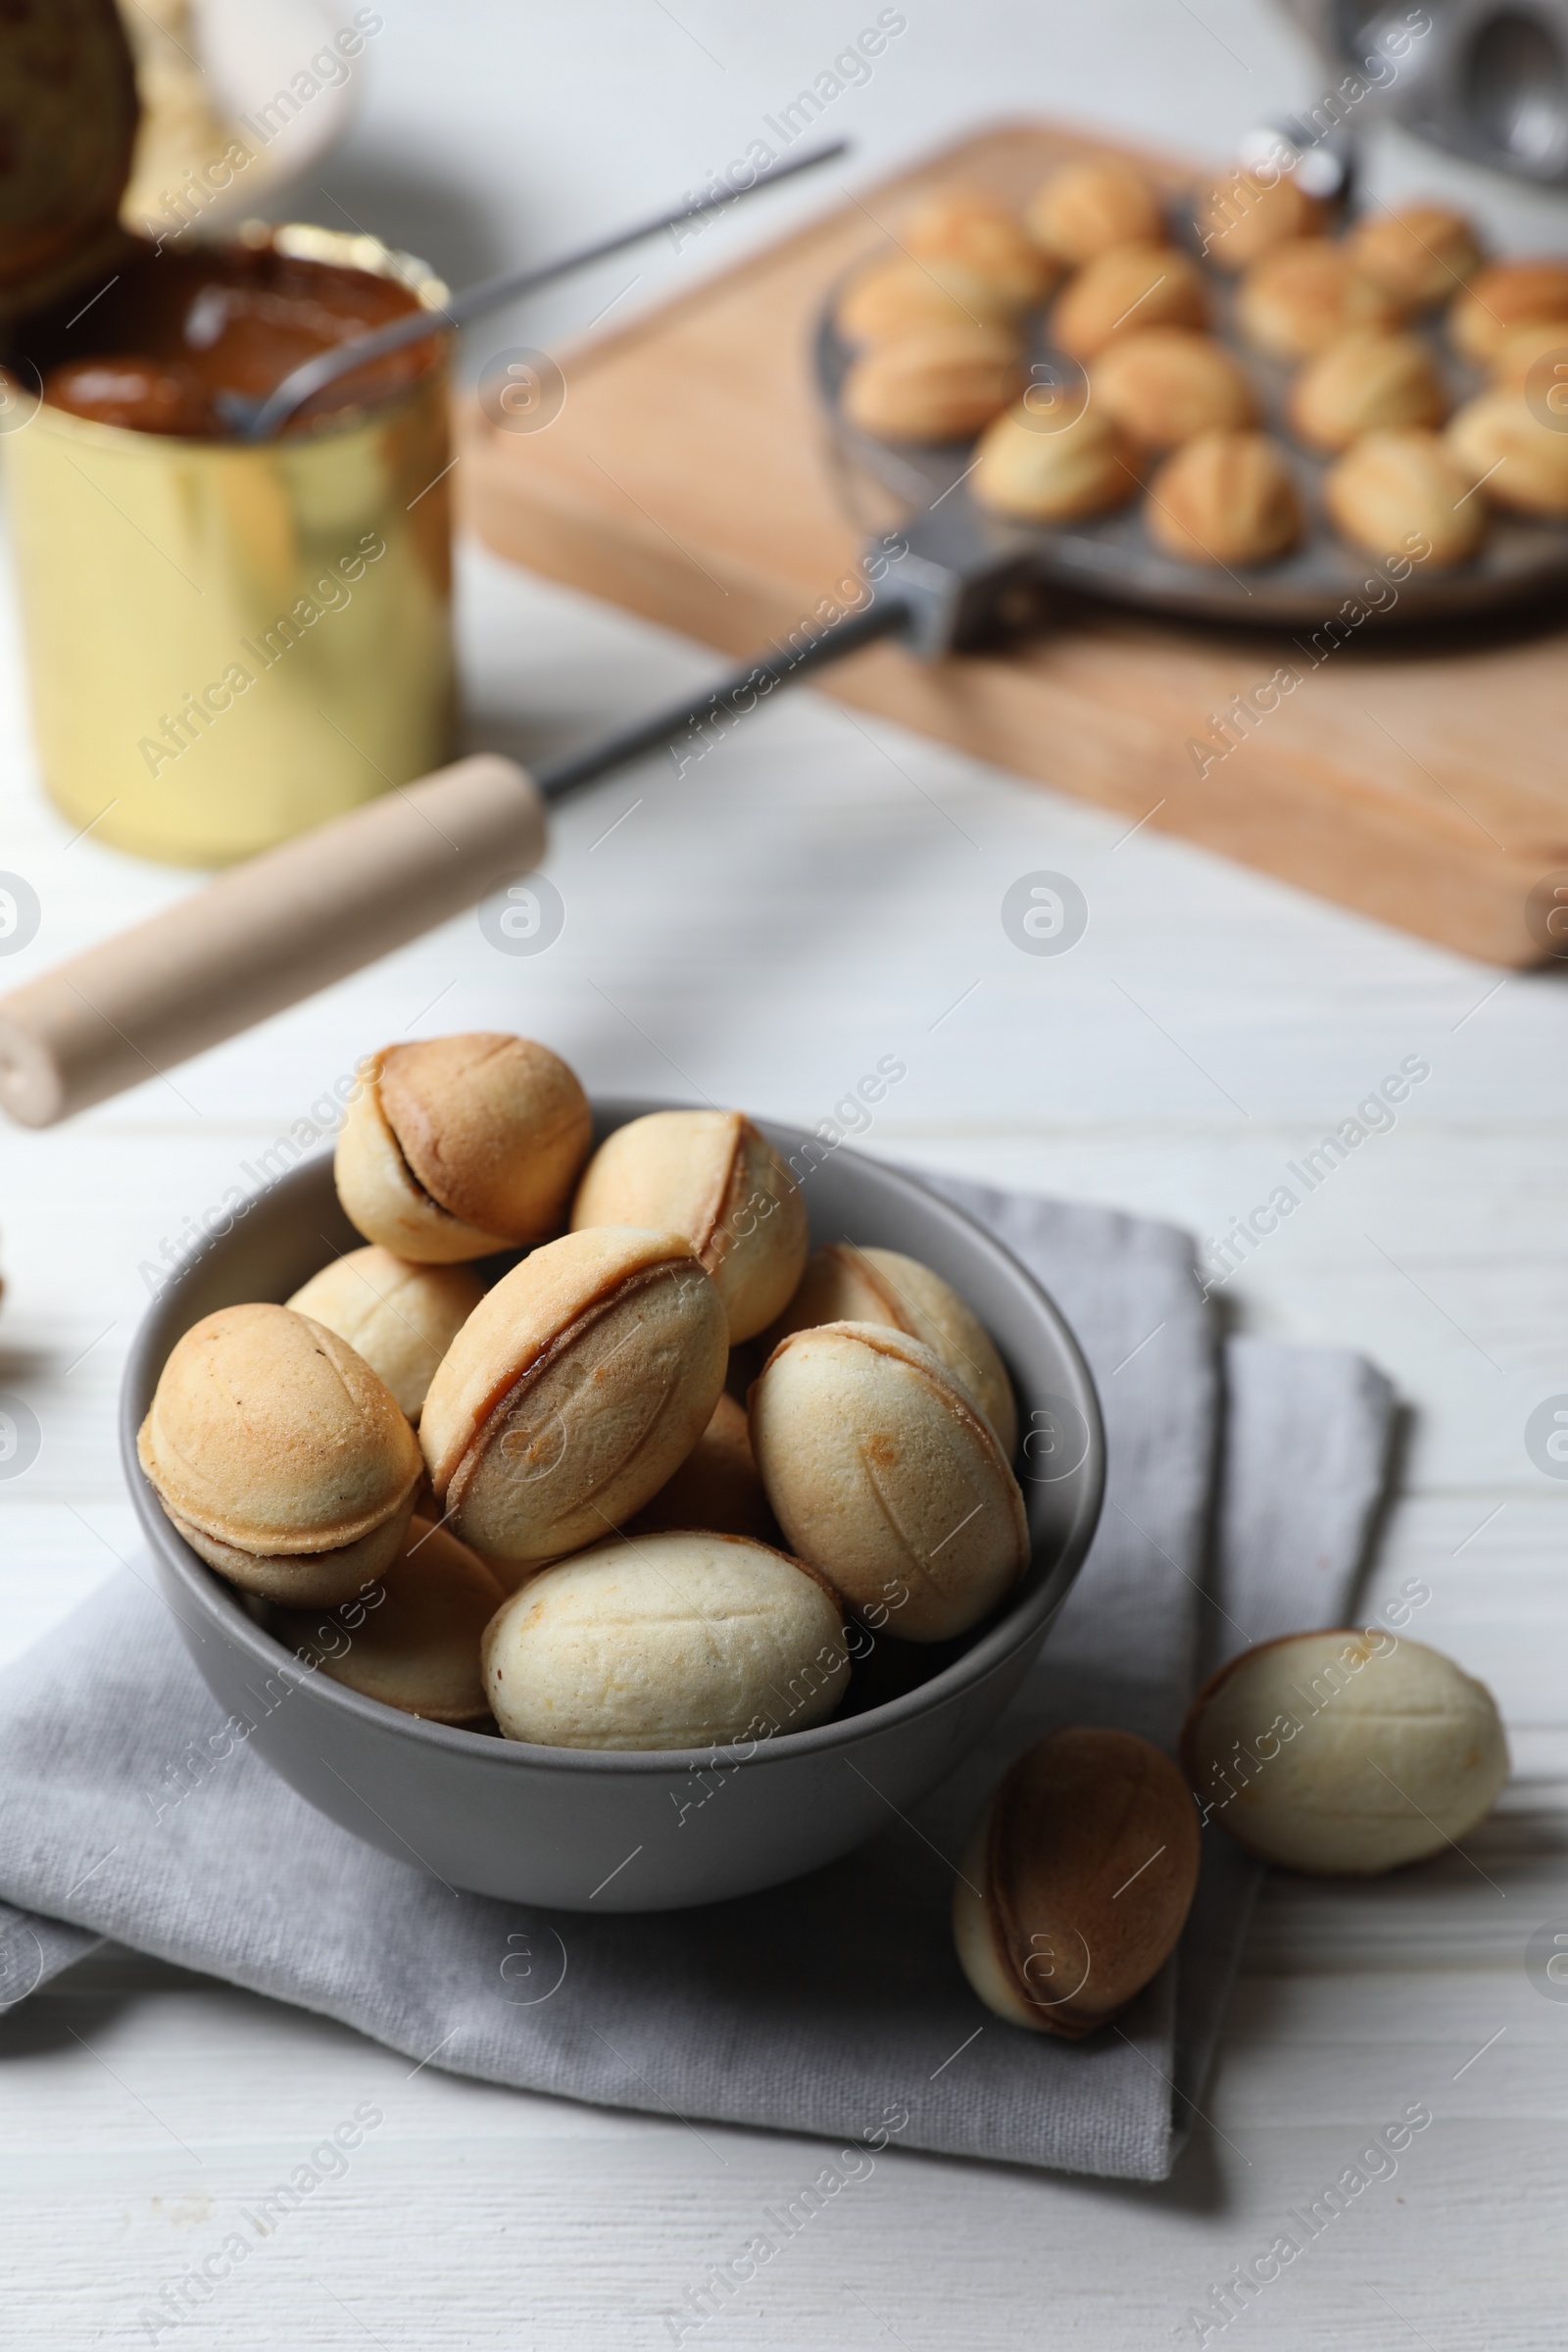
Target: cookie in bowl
<point>883,1475</point>
<point>719,1485</point>
<point>714,1176</point>
<point>399,1316</point>
<point>1166,383</point>
<point>937,383</point>
<point>280,1457</point>
<point>1124,291</point>
<point>1303,297</point>
<point>1369,382</point>
<point>1024,469</point>
<point>1226,499</point>
<point>573,1391</point>
<point>456,1147</point>
<point>1392,493</point>
<point>1084,209</point>
<point>849,1282</point>
<point>412,1639</point>
<point>681,1639</point>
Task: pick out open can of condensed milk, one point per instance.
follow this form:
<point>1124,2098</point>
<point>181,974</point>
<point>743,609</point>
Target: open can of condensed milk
<point>225,642</point>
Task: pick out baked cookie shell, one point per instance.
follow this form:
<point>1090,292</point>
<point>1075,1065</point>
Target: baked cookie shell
<point>1509,456</point>
<point>682,1640</point>
<point>714,1176</point>
<point>307,1580</point>
<point>1087,208</point>
<point>1420,255</point>
<point>1225,498</point>
<point>900,297</point>
<point>494,1128</point>
<point>1391,493</point>
<point>267,1433</point>
<point>1086,468</point>
<point>400,1317</point>
<point>1369,382</point>
<point>1245,218</point>
<point>974,231</point>
<point>1086,1859</point>
<point>1124,291</point>
<point>848,1283</point>
<point>1303,297</point>
<point>884,1476</point>
<point>936,383</point>
<point>1506,295</point>
<point>1167,383</point>
<point>412,1641</point>
<point>1279,1746</point>
<point>381,1196</point>
<point>574,1391</point>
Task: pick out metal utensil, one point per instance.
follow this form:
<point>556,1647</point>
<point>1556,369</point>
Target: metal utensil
<point>282,925</point>
<point>1113,558</point>
<point>252,419</point>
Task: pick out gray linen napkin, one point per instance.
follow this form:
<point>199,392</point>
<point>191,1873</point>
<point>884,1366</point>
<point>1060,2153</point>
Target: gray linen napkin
<point>833,2005</point>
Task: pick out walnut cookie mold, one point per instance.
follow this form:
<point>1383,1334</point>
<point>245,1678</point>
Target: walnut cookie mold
<point>1254,310</point>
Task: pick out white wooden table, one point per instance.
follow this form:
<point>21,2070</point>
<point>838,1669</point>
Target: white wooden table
<point>812,895</point>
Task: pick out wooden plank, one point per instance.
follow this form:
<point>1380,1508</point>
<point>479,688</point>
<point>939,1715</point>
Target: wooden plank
<point>686,478</point>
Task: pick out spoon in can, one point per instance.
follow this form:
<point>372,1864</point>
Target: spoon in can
<point>250,419</point>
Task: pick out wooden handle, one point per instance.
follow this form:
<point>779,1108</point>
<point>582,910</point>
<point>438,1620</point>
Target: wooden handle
<point>264,935</point>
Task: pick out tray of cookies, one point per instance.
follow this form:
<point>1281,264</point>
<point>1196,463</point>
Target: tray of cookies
<point>1233,408</point>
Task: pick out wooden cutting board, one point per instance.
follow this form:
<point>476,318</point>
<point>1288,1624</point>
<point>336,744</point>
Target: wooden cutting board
<point>688,476</point>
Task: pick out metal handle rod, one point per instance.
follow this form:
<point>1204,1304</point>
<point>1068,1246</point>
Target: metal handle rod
<point>287,923</point>
<point>727,702</point>
<point>313,374</point>
<point>264,935</point>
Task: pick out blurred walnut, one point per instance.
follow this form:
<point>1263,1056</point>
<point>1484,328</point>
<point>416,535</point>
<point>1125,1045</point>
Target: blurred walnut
<point>1499,440</point>
<point>1304,297</point>
<point>966,227</point>
<point>1508,295</point>
<point>1225,498</point>
<point>1246,216</point>
<point>1367,382</point>
<point>1521,354</point>
<point>898,298</point>
<point>1394,493</point>
<point>942,383</point>
<point>1085,467</point>
<point>1124,291</point>
<point>1087,208</point>
<point>1169,382</point>
<point>1420,255</point>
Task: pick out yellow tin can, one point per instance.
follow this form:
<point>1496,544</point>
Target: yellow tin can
<point>225,642</point>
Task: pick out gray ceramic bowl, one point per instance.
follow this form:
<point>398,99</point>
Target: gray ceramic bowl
<point>578,1827</point>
